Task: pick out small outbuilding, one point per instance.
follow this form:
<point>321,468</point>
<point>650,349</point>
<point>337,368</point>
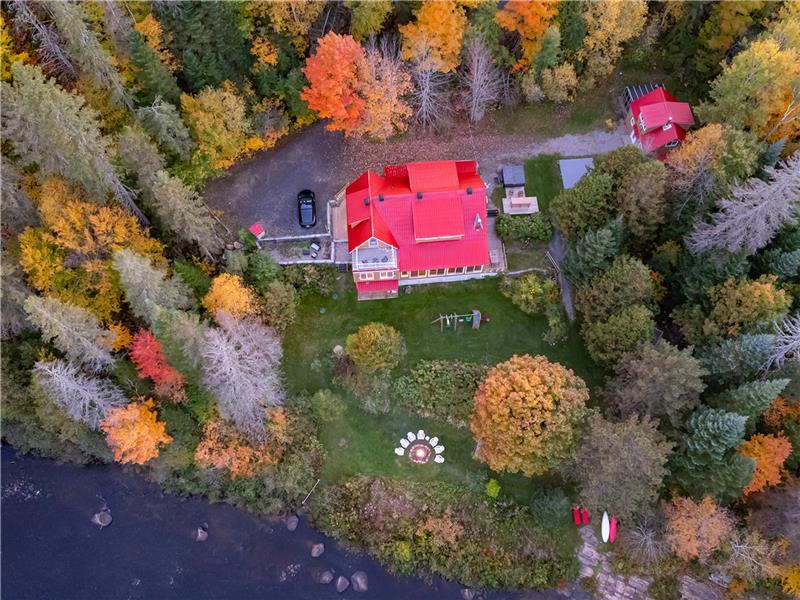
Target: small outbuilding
<point>515,202</point>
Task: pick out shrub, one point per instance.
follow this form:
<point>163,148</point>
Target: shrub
<point>535,227</point>
<point>375,348</point>
<point>560,83</point>
<point>310,279</point>
<point>550,508</point>
<point>531,293</point>
<point>279,305</point>
<point>626,282</point>
<point>440,389</point>
<point>327,406</point>
<point>492,488</point>
<point>445,529</point>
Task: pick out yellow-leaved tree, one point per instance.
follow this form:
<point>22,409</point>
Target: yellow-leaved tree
<point>291,17</point>
<point>436,33</point>
<point>608,25</point>
<point>526,415</point>
<point>134,433</point>
<point>229,294</point>
<point>218,119</point>
<point>69,256</point>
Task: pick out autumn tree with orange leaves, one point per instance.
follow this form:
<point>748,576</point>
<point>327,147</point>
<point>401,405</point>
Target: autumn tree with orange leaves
<point>769,452</point>
<point>437,33</point>
<point>133,432</point>
<point>696,529</point>
<point>526,414</point>
<point>334,74</point>
<point>529,20</point>
<point>360,92</point>
<point>222,447</point>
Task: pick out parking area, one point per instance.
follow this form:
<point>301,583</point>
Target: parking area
<point>264,189</point>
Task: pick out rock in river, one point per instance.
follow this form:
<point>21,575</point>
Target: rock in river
<point>342,583</point>
<point>326,577</point>
<point>102,518</point>
<point>200,535</point>
<point>360,581</point>
<point>317,550</point>
<point>291,522</point>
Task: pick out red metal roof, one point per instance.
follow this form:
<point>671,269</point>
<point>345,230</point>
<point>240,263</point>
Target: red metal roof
<point>432,176</point>
<point>660,109</point>
<point>383,285</point>
<point>256,229</point>
<point>437,216</point>
<point>396,216</point>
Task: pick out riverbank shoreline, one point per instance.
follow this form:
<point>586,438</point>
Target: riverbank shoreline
<point>52,550</point>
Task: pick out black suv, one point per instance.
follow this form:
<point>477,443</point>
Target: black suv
<point>306,209</point>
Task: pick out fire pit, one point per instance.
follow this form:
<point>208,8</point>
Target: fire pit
<point>420,448</point>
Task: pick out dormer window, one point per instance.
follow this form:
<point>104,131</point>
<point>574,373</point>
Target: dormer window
<point>373,243</point>
<point>666,126</point>
<point>642,126</point>
<point>672,143</point>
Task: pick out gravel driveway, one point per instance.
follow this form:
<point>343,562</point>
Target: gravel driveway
<point>264,188</point>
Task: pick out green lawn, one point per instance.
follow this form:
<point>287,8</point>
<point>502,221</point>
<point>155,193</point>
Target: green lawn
<point>309,342</point>
<point>543,179</point>
<point>360,442</point>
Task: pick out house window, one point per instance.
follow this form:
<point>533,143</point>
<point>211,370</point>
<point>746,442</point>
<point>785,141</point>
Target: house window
<point>435,272</point>
<point>455,271</point>
<point>633,121</point>
<point>420,273</point>
<point>386,274</point>
<point>366,276</point>
<point>373,243</point>
<point>476,269</point>
<point>405,274</point>
<point>672,143</point>
<point>666,126</point>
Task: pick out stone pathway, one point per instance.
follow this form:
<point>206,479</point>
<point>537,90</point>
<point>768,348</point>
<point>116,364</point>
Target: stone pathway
<point>610,586</point>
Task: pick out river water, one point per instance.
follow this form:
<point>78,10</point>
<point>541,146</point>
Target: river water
<point>51,550</point>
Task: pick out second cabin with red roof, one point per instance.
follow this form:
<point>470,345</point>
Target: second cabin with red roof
<point>422,222</point>
<point>656,121</point>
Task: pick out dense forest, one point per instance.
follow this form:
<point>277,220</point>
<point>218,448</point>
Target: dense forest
<point>138,328</point>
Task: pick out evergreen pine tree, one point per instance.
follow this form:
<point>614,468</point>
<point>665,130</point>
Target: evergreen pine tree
<point>73,330</point>
<point>709,464</point>
<point>83,47</point>
<point>208,40</point>
<point>163,121</point>
<point>733,361</point>
<point>147,287</point>
<point>152,78</point>
<point>751,399</point>
<point>786,265</point>
<point>183,210</point>
<point>593,253</point>
<point>56,130</point>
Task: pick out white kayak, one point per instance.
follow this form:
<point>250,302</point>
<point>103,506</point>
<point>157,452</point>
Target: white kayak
<point>605,528</point>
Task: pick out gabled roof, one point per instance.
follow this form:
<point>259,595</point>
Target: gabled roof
<point>432,176</point>
<point>437,216</point>
<point>433,232</point>
<point>665,119</point>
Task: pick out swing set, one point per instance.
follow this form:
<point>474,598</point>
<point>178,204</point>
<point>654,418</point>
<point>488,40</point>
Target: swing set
<point>453,319</point>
